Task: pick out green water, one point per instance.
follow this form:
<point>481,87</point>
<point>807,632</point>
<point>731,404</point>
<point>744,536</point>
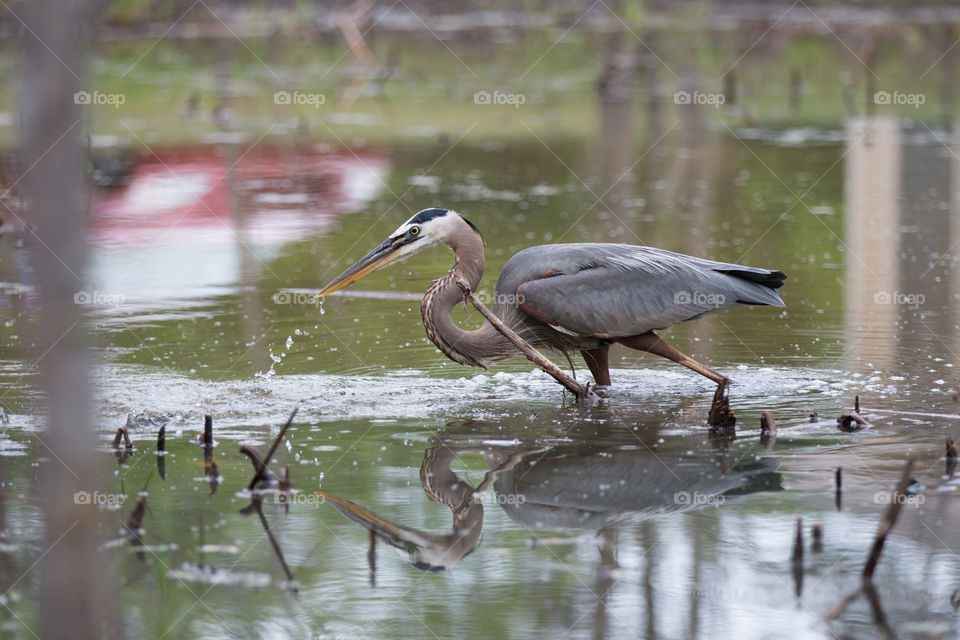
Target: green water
<point>635,523</point>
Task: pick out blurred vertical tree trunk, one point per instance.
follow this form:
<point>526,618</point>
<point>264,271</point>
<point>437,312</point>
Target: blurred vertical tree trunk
<point>53,159</point>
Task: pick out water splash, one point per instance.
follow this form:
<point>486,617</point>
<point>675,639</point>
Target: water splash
<point>274,361</point>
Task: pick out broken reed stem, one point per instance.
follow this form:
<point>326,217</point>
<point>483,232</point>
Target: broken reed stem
<point>721,419</point>
<point>124,435</point>
<point>162,439</point>
<point>856,404</point>
<point>850,422</point>
<point>581,391</point>
<point>768,430</point>
<point>888,522</point>
<point>951,448</point>
<point>768,426</point>
<point>208,431</point>
<point>273,448</point>
<point>253,454</point>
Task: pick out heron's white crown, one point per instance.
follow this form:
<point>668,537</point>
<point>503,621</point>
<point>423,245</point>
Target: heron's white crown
<point>434,225</point>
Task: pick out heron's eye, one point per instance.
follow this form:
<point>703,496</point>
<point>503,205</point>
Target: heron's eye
<point>414,231</point>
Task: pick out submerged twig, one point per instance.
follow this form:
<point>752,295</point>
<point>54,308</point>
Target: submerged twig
<point>210,470</point>
<point>256,505</point>
<point>843,604</point>
<point>266,460</point>
<point>581,391</point>
<point>817,534</point>
<point>839,489</point>
<point>372,557</point>
<point>951,458</point>
<point>889,520</point>
<point>879,617</point>
<point>135,524</point>
<point>797,559</point>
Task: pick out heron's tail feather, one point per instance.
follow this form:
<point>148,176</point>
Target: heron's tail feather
<point>765,277</point>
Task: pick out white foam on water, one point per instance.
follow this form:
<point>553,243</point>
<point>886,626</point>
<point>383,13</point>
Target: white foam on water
<point>267,400</point>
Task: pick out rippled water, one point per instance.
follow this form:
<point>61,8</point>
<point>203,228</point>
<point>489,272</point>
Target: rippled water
<point>623,520</point>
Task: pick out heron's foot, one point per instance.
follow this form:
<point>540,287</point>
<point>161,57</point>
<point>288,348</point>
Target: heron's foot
<point>721,419</point>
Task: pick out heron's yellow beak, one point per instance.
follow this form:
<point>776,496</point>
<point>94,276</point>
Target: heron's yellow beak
<point>385,253</point>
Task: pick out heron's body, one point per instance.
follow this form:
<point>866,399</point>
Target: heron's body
<point>567,297</point>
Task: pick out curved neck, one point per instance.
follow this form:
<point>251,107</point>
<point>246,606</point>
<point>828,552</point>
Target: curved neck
<point>477,348</point>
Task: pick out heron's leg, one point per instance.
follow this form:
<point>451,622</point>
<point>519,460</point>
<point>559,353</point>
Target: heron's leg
<point>652,343</point>
<point>597,362</point>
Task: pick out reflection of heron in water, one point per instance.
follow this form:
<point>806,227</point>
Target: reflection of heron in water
<point>568,296</point>
<point>592,486</point>
<point>424,550</point>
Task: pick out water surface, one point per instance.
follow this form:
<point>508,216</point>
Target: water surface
<point>624,520</point>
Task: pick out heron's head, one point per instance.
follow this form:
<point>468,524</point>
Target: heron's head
<point>425,229</point>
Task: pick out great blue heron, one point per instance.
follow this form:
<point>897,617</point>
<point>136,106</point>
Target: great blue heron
<point>583,296</point>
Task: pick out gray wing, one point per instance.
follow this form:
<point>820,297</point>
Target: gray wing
<point>615,290</point>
